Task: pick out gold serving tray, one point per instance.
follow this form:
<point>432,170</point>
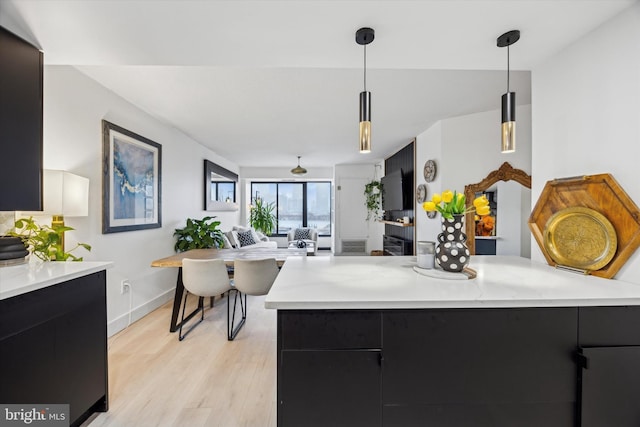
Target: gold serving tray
<point>580,238</point>
<point>603,194</point>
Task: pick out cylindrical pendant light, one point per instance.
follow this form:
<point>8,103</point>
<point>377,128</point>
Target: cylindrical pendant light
<point>364,36</point>
<point>508,99</point>
<point>365,122</point>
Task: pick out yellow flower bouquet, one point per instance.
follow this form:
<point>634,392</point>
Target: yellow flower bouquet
<point>453,203</point>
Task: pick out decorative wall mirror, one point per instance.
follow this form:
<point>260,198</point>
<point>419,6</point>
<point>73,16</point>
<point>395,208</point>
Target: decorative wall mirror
<point>506,172</point>
<point>220,186</point>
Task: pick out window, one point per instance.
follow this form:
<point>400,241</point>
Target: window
<point>223,191</point>
<point>298,204</point>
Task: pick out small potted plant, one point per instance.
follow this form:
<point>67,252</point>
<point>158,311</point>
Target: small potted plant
<point>199,234</point>
<point>45,242</point>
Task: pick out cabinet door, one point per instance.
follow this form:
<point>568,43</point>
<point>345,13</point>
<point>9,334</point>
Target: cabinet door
<point>493,367</point>
<point>82,357</point>
<point>610,387</point>
<point>53,346</point>
<point>330,388</point>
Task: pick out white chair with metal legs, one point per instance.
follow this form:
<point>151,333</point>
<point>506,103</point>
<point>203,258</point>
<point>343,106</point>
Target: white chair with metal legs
<point>251,277</point>
<point>203,278</point>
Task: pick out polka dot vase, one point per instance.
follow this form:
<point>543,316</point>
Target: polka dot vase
<point>452,254</point>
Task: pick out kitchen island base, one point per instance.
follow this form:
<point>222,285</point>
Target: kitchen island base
<point>449,367</point>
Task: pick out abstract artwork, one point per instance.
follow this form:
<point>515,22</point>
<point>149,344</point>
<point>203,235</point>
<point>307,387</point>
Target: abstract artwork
<point>131,184</point>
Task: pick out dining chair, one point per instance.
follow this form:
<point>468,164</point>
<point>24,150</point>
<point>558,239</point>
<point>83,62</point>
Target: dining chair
<point>203,278</point>
<point>251,277</point>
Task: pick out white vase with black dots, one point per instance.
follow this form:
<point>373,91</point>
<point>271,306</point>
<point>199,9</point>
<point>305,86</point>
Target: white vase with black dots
<point>452,253</point>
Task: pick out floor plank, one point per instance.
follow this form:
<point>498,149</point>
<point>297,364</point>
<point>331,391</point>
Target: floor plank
<point>205,380</point>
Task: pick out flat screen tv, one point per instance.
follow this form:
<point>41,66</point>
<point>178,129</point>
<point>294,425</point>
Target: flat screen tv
<point>21,70</point>
<point>393,191</point>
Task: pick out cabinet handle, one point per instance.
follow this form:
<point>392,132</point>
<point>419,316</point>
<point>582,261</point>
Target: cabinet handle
<point>582,361</point>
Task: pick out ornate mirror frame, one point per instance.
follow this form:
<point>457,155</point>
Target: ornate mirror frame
<point>506,172</point>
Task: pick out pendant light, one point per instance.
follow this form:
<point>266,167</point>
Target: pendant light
<point>508,99</point>
<point>298,170</point>
<point>364,36</point>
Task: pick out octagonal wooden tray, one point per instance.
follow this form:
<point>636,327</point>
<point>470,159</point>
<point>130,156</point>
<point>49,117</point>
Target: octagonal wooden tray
<point>601,193</point>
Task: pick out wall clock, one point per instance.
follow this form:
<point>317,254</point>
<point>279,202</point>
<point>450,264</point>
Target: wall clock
<point>421,193</point>
<point>432,214</point>
<point>430,170</point>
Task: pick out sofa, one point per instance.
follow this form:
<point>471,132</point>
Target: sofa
<point>244,238</point>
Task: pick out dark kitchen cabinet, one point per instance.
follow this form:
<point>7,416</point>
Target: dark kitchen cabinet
<point>480,367</point>
<point>330,388</point>
<point>557,366</point>
<point>610,375</point>
<point>53,346</point>
<point>329,368</point>
<point>21,124</point>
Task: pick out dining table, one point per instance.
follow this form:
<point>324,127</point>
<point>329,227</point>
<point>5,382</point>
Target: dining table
<point>229,256</point>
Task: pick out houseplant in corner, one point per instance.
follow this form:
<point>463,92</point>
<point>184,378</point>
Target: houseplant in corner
<point>199,234</point>
<point>44,241</point>
<point>261,217</point>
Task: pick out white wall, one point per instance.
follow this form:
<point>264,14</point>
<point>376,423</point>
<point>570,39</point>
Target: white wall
<point>586,113</point>
<point>466,149</point>
<point>428,146</point>
<point>74,108</point>
<point>350,207</point>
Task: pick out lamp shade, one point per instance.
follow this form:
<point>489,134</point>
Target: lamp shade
<point>65,193</point>
<point>365,122</point>
<point>298,170</point>
<point>509,122</point>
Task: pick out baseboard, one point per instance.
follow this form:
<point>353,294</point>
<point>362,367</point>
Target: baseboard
<point>121,322</point>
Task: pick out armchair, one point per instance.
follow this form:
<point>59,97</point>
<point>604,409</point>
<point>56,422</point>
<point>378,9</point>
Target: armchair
<point>307,235</point>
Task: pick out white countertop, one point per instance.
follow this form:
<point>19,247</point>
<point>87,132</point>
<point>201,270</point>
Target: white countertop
<point>373,282</point>
<point>37,274</point>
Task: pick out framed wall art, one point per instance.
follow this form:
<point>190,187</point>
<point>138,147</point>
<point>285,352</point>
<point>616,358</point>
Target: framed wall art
<point>131,181</point>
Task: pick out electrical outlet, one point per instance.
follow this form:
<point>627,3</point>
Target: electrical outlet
<point>125,286</point>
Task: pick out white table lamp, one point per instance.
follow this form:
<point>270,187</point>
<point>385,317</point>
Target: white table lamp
<point>65,194</point>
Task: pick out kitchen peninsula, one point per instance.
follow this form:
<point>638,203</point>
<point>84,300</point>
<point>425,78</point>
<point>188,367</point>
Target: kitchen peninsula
<point>368,341</point>
<point>53,336</point>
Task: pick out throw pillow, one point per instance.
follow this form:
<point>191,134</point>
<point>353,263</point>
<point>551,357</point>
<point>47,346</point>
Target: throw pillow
<point>245,238</point>
<point>232,238</point>
<point>302,233</point>
<point>256,236</point>
<point>226,242</point>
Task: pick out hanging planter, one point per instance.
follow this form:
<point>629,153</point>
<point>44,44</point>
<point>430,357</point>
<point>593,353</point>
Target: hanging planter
<point>373,201</point>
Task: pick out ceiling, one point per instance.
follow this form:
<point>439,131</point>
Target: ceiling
<point>261,82</point>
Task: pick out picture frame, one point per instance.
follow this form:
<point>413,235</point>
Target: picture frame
<point>131,181</point>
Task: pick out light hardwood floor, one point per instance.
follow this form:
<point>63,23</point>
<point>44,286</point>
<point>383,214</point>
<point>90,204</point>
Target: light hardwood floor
<point>205,380</point>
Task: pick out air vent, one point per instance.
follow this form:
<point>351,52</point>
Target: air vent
<point>354,247</point>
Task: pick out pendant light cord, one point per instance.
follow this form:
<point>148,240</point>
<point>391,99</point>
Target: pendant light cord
<point>365,67</point>
<point>508,69</point>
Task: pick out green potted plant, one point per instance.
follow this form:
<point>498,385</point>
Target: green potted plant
<point>261,217</point>
<point>373,199</point>
<point>199,234</point>
<point>45,242</point>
